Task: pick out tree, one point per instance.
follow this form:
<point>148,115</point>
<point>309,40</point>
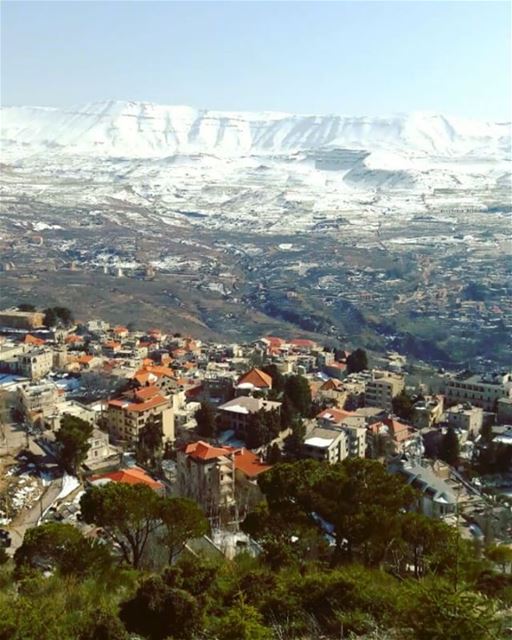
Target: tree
<point>357,361</point>
<point>257,432</point>
<point>158,611</point>
<point>242,622</point>
<point>403,405</point>
<point>50,318</point>
<point>276,375</point>
<point>298,392</point>
<point>149,446</point>
<point>449,447</point>
<point>206,421</point>
<point>63,547</point>
<point>72,440</point>
<point>274,454</point>
<point>128,514</point>
<point>182,520</point>
<point>54,315</point>
<point>294,442</point>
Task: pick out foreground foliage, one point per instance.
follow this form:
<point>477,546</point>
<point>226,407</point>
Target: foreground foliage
<point>360,566</point>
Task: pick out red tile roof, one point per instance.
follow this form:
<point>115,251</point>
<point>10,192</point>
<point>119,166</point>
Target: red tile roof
<point>249,463</point>
<point>134,475</point>
<point>203,451</point>
<point>256,378</point>
<point>33,340</point>
<point>335,415</point>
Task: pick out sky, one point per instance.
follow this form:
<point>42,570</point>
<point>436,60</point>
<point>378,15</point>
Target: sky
<point>348,58</point>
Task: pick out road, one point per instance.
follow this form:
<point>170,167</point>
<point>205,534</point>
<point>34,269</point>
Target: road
<point>27,519</point>
<point>13,438</point>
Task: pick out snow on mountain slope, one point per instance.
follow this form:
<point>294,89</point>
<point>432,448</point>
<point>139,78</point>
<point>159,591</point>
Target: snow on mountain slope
<point>144,130</point>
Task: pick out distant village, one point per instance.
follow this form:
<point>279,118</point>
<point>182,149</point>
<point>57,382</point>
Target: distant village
<point>204,420</point>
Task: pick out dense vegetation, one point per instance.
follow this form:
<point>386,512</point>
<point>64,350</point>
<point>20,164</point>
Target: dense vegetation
<point>341,557</point>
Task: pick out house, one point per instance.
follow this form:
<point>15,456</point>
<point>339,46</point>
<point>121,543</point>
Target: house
<point>254,380</point>
<point>329,444</point>
<point>101,453</point>
<point>34,341</point>
<point>128,415</point>
<point>336,370</point>
<point>397,434</point>
<point>133,475</point>
<point>334,391</point>
<point>382,388</point>
<point>236,413</point>
<point>437,497</point>
<point>161,376</point>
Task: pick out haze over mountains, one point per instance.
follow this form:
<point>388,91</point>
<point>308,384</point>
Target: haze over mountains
<point>141,129</point>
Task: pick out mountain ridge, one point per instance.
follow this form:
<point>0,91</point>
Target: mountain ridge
<point>144,129</point>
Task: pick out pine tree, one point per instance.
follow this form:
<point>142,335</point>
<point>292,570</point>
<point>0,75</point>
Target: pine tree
<point>449,447</point>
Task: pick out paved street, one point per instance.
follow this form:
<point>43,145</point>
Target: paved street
<point>27,519</point>
<point>13,438</point>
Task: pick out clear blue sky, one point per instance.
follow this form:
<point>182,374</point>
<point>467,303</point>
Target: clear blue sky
<point>309,57</point>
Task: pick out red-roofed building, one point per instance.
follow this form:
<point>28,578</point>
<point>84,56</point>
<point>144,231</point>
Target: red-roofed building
<point>302,344</point>
<point>133,475</point>
<point>128,415</point>
<point>254,380</point>
<point>215,476</point>
<point>33,340</point>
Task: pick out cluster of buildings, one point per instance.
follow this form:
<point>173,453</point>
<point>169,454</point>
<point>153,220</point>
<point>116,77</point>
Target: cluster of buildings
<point>123,382</point>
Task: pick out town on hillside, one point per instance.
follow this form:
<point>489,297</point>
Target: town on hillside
<point>86,404</point>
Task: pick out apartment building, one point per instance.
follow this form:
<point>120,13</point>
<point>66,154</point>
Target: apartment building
<point>36,402</point>
<point>354,426</point>
<point>35,364</point>
<point>236,413</point>
<point>382,388</point>
<point>218,476</point>
<point>466,417</point>
<point>481,390</point>
<point>206,474</point>
<point>128,415</point>
<point>326,444</point>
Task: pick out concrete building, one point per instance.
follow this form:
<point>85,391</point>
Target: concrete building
<point>36,402</point>
<point>236,413</point>
<point>21,319</point>
<point>466,417</point>
<point>128,415</point>
<point>35,364</point>
<point>328,444</point>
<point>218,476</point>
<point>353,425</point>
<point>428,412</point>
<point>206,474</point>
<point>437,495</point>
<point>382,388</point>
<point>101,452</point>
<point>481,390</point>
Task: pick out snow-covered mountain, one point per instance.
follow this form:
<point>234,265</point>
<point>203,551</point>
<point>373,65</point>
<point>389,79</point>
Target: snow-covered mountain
<point>145,130</point>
